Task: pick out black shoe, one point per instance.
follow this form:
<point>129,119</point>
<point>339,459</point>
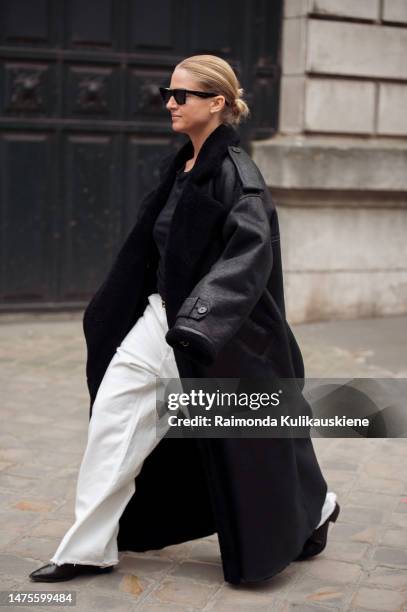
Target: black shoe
<point>56,573</point>
<point>317,541</point>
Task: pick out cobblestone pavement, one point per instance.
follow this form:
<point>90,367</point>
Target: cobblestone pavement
<point>44,412</point>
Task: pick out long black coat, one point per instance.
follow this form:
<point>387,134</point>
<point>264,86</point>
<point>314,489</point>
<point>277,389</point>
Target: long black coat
<point>226,318</point>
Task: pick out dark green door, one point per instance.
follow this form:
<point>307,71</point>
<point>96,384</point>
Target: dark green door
<point>82,127</point>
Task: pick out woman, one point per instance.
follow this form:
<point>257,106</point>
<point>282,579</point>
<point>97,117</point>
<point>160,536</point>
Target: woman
<point>195,292</point>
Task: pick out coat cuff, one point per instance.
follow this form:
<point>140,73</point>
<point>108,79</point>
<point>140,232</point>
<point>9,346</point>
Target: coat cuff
<point>195,344</point>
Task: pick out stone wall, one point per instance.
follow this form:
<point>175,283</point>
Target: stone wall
<point>338,166</point>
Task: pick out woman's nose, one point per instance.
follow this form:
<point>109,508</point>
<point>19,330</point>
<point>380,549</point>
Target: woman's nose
<point>171,104</point>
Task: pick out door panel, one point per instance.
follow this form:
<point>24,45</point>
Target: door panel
<point>83,128</point>
<point>28,216</point>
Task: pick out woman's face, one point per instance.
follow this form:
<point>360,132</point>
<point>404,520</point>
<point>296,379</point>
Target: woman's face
<point>197,114</point>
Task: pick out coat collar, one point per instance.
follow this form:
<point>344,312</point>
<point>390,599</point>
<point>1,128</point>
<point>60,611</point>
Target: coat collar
<point>210,156</point>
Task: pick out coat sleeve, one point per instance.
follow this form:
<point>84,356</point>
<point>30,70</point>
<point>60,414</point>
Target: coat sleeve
<point>225,296</point>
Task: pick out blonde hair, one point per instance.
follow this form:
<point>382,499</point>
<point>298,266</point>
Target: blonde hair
<point>215,74</point>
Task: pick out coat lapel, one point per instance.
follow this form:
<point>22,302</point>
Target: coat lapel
<point>197,219</point>
<point>197,216</point>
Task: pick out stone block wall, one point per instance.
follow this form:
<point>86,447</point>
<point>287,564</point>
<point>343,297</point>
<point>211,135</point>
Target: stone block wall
<point>338,166</point>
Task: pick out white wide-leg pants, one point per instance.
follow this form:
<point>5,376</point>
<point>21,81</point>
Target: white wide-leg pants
<point>122,433</point>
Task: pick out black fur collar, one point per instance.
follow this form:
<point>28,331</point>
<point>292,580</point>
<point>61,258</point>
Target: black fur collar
<point>210,155</point>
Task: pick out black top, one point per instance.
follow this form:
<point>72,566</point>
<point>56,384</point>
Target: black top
<point>162,226</point>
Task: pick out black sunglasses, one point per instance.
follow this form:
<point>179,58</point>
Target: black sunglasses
<point>181,94</point>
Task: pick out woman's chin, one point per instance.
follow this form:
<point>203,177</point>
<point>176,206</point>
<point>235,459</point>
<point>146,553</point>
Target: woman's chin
<point>178,128</point>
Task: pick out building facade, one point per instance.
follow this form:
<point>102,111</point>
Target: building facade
<point>338,165</point>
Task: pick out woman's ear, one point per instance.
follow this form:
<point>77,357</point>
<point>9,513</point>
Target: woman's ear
<point>217,104</point>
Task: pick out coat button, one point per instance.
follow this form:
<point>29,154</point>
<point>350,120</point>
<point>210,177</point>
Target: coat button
<point>184,342</point>
<point>202,309</point>
<point>236,149</point>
